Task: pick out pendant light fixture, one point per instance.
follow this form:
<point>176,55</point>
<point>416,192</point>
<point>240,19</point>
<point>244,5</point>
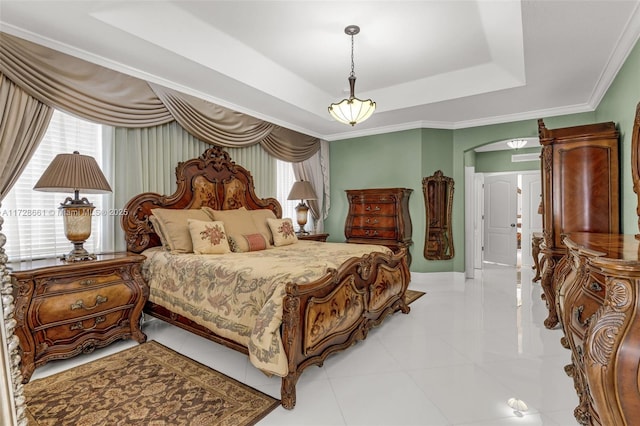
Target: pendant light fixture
<point>516,143</point>
<point>352,110</point>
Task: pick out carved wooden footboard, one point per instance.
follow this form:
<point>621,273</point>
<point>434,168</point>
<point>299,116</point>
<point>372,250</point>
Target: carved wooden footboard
<point>338,310</point>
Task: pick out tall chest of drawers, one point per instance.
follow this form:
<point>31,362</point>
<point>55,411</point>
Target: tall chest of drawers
<point>64,309</point>
<point>379,216</point>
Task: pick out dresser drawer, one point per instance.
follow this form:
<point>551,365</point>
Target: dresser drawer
<point>373,209</point>
<point>71,332</point>
<point>59,307</point>
<point>373,233</point>
<point>374,221</point>
<point>79,282</point>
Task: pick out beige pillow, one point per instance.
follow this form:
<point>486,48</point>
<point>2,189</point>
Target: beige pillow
<point>175,229</point>
<point>156,227</point>
<point>260,217</point>
<point>237,222</point>
<point>283,232</point>
<point>208,237</point>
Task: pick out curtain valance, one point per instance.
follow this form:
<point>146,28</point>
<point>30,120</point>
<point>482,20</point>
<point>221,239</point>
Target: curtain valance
<point>109,97</point>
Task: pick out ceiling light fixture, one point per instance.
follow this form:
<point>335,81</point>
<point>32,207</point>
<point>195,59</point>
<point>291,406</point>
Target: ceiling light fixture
<point>516,143</point>
<point>352,110</point>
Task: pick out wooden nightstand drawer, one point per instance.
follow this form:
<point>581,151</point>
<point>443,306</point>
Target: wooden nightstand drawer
<point>69,334</point>
<point>71,283</point>
<point>78,304</point>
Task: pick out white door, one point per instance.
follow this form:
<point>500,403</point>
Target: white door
<point>500,224</point>
<point>531,219</point>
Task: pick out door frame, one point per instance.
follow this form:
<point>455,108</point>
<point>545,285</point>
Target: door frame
<point>474,208</point>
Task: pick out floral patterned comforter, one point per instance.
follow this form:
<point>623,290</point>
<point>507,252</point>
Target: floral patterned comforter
<point>239,295</point>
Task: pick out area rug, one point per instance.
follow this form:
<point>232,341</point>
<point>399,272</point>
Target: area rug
<point>148,384</point>
<point>412,295</point>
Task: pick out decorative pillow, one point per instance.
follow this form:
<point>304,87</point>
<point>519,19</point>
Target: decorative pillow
<point>245,243</point>
<point>237,222</point>
<point>260,217</point>
<point>283,232</point>
<point>156,227</point>
<point>208,237</point>
<point>175,229</point>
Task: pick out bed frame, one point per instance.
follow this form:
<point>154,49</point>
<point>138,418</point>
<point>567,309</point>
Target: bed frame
<point>319,318</point>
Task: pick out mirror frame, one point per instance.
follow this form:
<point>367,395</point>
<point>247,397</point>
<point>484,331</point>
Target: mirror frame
<point>635,161</point>
<point>438,202</point>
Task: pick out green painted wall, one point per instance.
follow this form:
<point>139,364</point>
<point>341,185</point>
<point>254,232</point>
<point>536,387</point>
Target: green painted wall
<point>619,105</point>
<point>403,158</point>
<point>500,161</point>
<point>382,161</point>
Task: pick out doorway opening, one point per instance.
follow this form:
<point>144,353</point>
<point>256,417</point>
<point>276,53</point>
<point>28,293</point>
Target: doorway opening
<point>505,206</point>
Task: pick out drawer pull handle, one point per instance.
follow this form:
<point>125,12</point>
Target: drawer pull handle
<point>371,233</point>
<point>88,282</point>
<point>595,286</point>
<point>577,313</point>
<point>79,326</point>
<point>80,303</point>
<point>377,208</point>
<point>372,222</point>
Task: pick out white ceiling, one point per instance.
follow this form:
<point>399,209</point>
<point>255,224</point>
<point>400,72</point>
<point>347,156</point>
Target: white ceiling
<point>438,63</point>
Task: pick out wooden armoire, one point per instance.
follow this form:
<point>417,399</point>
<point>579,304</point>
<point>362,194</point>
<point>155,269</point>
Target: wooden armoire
<point>580,192</point>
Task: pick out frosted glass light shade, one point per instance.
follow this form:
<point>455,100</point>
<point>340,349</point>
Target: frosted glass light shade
<point>352,110</point>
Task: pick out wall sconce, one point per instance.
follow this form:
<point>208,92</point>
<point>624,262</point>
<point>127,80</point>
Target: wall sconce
<point>302,190</point>
<point>72,173</point>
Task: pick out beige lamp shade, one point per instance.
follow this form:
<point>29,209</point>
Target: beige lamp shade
<point>73,172</point>
<point>302,190</point>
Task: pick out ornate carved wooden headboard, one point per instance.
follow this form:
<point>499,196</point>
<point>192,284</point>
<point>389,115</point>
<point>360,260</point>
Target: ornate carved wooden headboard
<point>635,160</point>
<point>211,180</point>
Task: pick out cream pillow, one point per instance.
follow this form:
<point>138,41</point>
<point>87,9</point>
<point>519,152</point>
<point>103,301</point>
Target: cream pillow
<point>238,224</point>
<point>260,217</point>
<point>175,229</point>
<point>208,237</point>
<point>155,223</point>
<point>283,232</point>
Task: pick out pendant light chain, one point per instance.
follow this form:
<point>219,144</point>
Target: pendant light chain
<point>352,71</point>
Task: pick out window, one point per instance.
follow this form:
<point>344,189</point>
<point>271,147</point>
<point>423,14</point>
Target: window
<point>32,223</point>
<point>285,180</point>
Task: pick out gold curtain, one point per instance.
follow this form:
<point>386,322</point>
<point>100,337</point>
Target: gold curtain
<point>23,123</point>
<point>108,97</point>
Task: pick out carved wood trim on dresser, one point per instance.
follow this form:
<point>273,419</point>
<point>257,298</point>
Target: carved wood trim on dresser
<point>598,302</point>
<point>64,309</point>
<point>379,216</point>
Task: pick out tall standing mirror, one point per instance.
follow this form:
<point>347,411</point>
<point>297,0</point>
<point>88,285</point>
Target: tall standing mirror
<point>438,201</point>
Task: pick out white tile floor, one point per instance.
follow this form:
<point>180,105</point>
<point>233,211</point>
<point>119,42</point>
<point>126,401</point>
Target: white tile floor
<point>466,348</point>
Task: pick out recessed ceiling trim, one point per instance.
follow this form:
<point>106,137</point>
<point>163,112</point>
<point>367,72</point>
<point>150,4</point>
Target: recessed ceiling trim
<point>236,60</point>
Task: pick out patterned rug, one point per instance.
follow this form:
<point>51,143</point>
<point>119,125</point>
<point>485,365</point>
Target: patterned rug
<point>148,384</point>
<point>413,295</point>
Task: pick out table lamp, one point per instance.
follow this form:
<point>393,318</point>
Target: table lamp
<point>72,173</point>
<point>302,190</point>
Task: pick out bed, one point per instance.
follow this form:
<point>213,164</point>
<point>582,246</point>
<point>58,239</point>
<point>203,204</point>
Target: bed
<point>286,303</point>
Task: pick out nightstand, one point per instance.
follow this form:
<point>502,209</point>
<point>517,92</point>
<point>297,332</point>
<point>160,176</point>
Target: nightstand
<point>313,237</point>
<point>64,309</point>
